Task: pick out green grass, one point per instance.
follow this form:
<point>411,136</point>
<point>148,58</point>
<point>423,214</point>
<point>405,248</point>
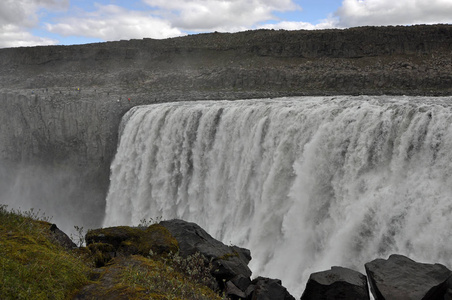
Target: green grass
<point>163,279</point>
<point>32,266</point>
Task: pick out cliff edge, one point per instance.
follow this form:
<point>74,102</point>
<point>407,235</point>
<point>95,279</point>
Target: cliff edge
<point>61,105</point>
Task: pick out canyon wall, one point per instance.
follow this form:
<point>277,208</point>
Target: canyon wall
<point>60,106</point>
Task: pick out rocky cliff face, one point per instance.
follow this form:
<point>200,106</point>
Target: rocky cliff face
<point>60,106</point>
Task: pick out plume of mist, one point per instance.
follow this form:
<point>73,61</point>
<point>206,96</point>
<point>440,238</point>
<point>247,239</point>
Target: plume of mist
<point>56,192</point>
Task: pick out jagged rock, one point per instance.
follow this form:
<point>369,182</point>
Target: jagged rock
<point>263,288</point>
<point>337,283</point>
<point>61,238</point>
<point>399,277</point>
<point>227,261</point>
<point>233,292</point>
<point>237,286</point>
<point>241,282</point>
<point>132,240</point>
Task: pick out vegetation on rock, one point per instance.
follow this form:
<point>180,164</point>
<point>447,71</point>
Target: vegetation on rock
<point>134,240</point>
<point>35,266</point>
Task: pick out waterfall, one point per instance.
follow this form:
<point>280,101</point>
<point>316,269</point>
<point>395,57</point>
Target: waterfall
<point>305,183</point>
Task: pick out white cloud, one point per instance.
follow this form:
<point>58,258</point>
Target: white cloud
<point>324,24</point>
<point>24,12</point>
<point>111,22</point>
<point>14,36</point>
<point>17,17</point>
<point>390,12</point>
<point>163,18</point>
<point>170,18</point>
<point>220,15</point>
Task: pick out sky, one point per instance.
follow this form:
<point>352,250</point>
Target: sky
<point>68,22</point>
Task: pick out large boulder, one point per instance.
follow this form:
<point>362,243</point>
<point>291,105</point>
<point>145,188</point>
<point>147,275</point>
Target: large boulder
<point>263,288</point>
<point>337,283</point>
<point>227,261</point>
<point>399,277</point>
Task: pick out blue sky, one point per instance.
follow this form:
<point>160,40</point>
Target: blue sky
<point>66,22</point>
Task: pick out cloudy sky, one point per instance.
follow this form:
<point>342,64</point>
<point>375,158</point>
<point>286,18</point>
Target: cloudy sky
<point>66,22</point>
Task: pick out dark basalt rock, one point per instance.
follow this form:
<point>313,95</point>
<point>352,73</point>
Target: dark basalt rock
<point>227,261</point>
<point>268,289</point>
<point>337,283</point>
<point>448,295</point>
<point>260,288</point>
<point>399,277</point>
<point>236,288</point>
<point>61,238</point>
<point>233,292</point>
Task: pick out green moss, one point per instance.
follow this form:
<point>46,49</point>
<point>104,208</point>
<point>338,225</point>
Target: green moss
<point>32,266</point>
<point>160,240</point>
<point>133,240</point>
<point>229,255</point>
<point>101,253</point>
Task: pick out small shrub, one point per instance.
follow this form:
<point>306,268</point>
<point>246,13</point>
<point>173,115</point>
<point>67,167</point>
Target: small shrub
<point>196,267</point>
<point>148,222</point>
<point>79,238</point>
<point>159,277</point>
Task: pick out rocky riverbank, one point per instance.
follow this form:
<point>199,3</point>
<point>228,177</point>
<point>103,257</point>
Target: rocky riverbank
<point>176,258</point>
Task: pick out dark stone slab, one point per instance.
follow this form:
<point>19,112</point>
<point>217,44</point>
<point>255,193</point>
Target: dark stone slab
<point>337,283</point>
<point>399,277</point>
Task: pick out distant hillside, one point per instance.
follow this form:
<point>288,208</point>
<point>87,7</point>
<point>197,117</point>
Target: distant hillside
<point>369,60</point>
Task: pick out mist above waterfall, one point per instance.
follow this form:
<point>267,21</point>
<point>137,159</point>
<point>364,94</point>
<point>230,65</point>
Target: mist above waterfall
<point>50,190</point>
<point>304,183</point>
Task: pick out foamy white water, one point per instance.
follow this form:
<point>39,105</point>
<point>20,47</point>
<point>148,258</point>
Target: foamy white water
<point>304,183</point>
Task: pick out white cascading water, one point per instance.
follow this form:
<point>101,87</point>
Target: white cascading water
<point>304,183</point>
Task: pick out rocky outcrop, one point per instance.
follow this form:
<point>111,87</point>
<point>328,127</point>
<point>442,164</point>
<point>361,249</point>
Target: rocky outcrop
<point>337,283</point>
<point>229,264</point>
<point>169,237</point>
<point>61,238</point>
<point>399,277</point>
<point>60,106</point>
<point>228,261</point>
<point>145,253</point>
